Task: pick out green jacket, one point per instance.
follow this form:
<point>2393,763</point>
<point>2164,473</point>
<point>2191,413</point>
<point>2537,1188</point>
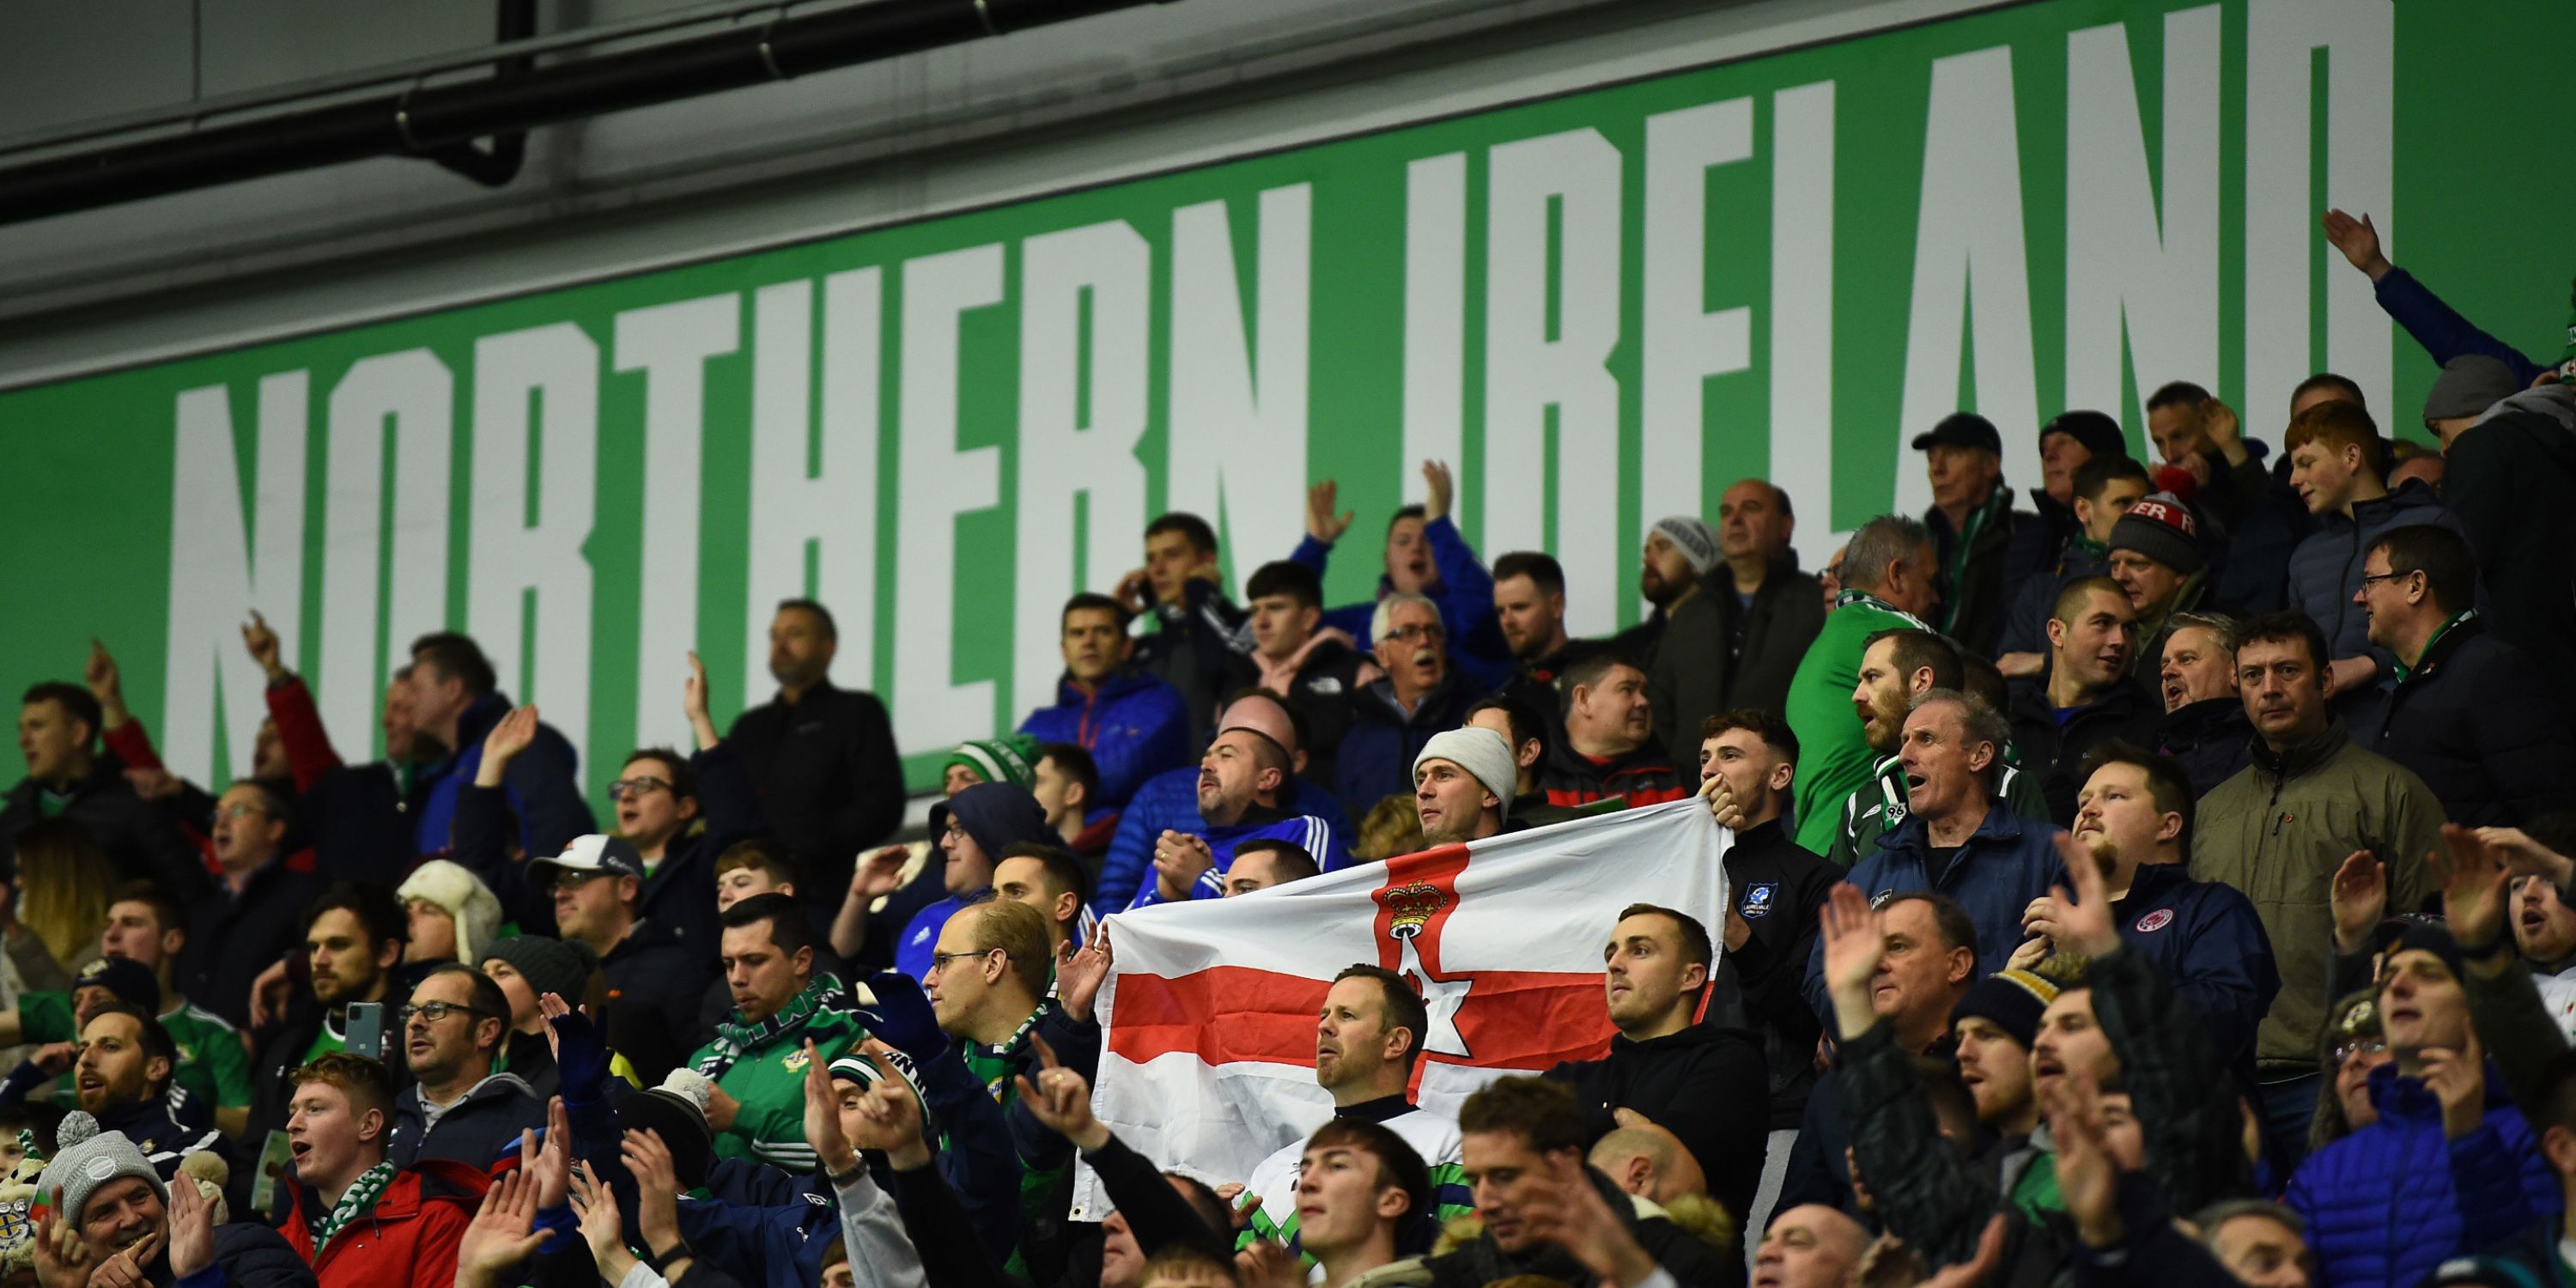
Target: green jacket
<point>1834,758</point>
<point>1875,808</point>
<point>763,1066</point>
<point>2277,831</point>
<point>213,1069</point>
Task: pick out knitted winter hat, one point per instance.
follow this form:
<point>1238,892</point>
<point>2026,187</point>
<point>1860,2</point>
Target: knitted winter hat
<point>2160,527</point>
<point>1009,758</point>
<point>2011,999</point>
<point>89,1158</point>
<point>2418,930</point>
<point>455,890</point>
<point>1481,752</point>
<point>558,966</point>
<point>1692,538</point>
<point>2469,384</point>
<point>2099,434</point>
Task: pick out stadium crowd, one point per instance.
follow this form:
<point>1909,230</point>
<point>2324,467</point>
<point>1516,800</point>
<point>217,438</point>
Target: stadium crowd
<point>2170,882</point>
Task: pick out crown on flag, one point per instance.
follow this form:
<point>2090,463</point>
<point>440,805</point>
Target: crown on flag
<point>1412,907</point>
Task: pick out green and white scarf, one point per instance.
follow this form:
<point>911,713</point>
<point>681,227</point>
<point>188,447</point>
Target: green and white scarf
<point>362,1195</point>
<point>734,1038</point>
<point>1851,597</point>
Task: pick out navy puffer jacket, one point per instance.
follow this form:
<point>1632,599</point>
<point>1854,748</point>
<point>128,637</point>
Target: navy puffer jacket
<point>2388,1203</point>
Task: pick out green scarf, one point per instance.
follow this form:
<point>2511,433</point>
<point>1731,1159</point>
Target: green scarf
<point>362,1195</point>
<point>2405,672</point>
<point>994,1064</point>
<point>1863,597</point>
<point>735,1038</point>
<point>1957,569</point>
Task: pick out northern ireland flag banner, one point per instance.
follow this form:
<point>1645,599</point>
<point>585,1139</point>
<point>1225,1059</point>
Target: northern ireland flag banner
<point>1209,1064</point>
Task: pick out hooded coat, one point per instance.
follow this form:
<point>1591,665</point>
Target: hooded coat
<point>2508,478</point>
<point>407,1240</point>
<point>2482,727</point>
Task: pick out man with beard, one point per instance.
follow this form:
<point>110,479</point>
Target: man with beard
<point>1737,639</point>
<point>1367,1041</point>
<point>2086,698</point>
<point>1241,782</point>
<point>1679,551</point>
<point>2134,819</point>
<point>123,1080</point>
<point>822,758</point>
<point>1393,717</point>
<point>118,1211</point>
<point>1898,666</point>
<point>2205,729</point>
<point>1610,748</point>
<point>353,941</point>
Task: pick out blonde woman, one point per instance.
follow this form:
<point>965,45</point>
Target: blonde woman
<point>65,882</point>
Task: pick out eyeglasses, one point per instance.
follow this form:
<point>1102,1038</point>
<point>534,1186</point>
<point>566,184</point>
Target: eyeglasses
<point>2344,1053</point>
<point>1418,631</point>
<point>437,1011</point>
<point>939,961</point>
<point>2369,577</point>
<point>625,787</point>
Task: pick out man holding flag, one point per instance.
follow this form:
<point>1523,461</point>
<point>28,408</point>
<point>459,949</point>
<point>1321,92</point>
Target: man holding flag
<point>1366,1043</point>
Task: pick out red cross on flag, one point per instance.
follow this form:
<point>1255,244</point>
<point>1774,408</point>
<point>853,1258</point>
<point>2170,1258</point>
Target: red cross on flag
<point>1209,1062</point>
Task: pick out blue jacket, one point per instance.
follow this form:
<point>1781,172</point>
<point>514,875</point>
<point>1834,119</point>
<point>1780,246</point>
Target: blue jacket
<point>2208,945</point>
<point>1169,802</point>
<point>1135,726</point>
<point>2388,1203</point>
<point>2442,331</point>
<point>1465,594</point>
<point>1321,841</point>
<point>543,784</point>
<point>1376,759</point>
<point>2007,862</point>
<point>2325,569</point>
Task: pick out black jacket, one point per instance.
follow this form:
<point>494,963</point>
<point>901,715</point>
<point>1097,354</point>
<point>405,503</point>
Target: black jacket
<point>1971,577</point>
<point>163,1141</point>
<point>1780,891</point>
<point>2483,728</point>
<point>829,778</point>
<point>2054,749</point>
<point>1765,640</point>
<point>232,938</point>
<point>654,983</point>
<point>1321,694</point>
<point>475,1132</point>
<point>1706,1085</point>
<point>1376,755</point>
<point>145,842</point>
<point>1192,649</point>
<point>2211,739</point>
<point>681,893</point>
<point>1645,776</point>
<point>249,1255</point>
<point>2509,480</point>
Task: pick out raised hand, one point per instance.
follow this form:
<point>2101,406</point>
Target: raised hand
<point>1571,1214</point>
<point>2081,923</point>
<point>2528,857</point>
<point>106,684</point>
<point>693,704</point>
<point>2087,1177</point>
<point>581,1057</point>
<point>1854,946</point>
<point>1436,480</point>
<point>550,1163</point>
<point>2358,241</point>
<point>1079,975</point>
<point>889,1116</point>
<point>657,1188</point>
<point>2220,422</point>
<point>502,1234</point>
<point>262,643</point>
<point>596,1206</point>
<point>2358,899</point>
<point>1320,522</point>
<point>2457,1078</point>
<point>2475,887</point>
<point>878,874</point>
<point>515,733</point>
<point>192,1228</point>
<point>1061,1100</point>
<point>62,1259</point>
<point>823,1115</point>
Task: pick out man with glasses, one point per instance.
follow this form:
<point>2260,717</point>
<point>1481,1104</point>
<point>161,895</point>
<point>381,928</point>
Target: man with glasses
<point>459,1107</point>
<point>679,812</point>
<point>595,883</point>
<point>1395,715</point>
<point>256,915</point>
<point>757,1060</point>
<point>2470,713</point>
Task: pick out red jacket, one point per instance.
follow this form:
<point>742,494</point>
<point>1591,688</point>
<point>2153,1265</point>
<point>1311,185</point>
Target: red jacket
<point>408,1240</point>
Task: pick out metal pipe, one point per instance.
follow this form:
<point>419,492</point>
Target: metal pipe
<point>424,121</point>
<point>514,20</point>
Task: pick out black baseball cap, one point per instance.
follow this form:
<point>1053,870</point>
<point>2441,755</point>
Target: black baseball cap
<point>1962,429</point>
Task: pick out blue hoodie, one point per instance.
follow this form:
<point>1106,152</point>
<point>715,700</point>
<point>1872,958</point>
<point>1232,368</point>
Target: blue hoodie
<point>543,784</point>
<point>1464,592</point>
<point>1134,725</point>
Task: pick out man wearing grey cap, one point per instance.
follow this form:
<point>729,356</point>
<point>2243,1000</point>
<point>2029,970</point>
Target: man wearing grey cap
<point>2509,466</point>
<point>1463,783</point>
<point>1679,552</point>
<point>1972,523</point>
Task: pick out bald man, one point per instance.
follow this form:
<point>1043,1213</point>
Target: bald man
<point>1810,1246</point>
<point>1169,802</point>
<point>1650,1162</point>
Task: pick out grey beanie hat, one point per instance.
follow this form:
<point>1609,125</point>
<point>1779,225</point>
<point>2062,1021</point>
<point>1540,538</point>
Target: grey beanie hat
<point>1482,753</point>
<point>89,1158</point>
<point>2468,385</point>
<point>1692,538</point>
<point>558,966</point>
